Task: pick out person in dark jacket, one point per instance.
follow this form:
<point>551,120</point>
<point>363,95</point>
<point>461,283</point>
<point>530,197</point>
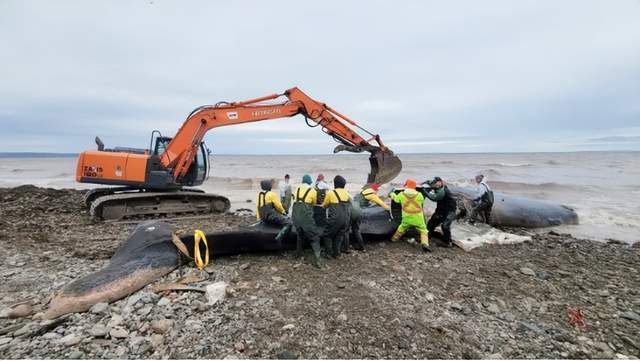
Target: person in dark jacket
<point>445,212</point>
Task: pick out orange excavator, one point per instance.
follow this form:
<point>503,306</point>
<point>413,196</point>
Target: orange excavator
<point>154,181</point>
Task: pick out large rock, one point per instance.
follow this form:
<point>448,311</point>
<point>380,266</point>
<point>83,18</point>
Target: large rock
<point>19,311</point>
<point>216,292</point>
<point>161,326</point>
<point>70,340</point>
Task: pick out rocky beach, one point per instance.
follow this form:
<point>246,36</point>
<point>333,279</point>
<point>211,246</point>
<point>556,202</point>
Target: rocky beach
<point>391,301</point>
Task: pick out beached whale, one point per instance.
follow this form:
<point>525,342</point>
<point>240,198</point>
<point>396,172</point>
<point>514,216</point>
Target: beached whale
<point>512,211</point>
<point>151,250</point>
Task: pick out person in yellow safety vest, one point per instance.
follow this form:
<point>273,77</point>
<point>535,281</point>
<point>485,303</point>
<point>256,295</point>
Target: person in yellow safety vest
<point>305,198</point>
<point>367,197</point>
<point>412,213</point>
<point>269,209</point>
<point>338,205</point>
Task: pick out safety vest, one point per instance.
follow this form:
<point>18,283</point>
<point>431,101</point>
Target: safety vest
<point>411,205</point>
<point>361,198</point>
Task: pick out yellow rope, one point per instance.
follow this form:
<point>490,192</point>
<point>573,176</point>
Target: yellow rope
<point>197,237</point>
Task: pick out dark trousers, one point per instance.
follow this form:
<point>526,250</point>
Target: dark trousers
<point>308,235</point>
<point>482,208</point>
<point>336,238</point>
<point>355,236</point>
<point>444,221</point>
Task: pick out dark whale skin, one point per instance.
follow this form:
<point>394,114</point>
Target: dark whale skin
<point>148,253</point>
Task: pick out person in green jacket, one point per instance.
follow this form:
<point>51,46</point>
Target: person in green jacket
<point>411,202</point>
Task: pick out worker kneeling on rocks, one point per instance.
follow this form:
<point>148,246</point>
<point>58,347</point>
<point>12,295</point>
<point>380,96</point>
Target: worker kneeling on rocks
<point>411,202</point>
<point>304,223</point>
<point>338,205</point>
<point>269,209</point>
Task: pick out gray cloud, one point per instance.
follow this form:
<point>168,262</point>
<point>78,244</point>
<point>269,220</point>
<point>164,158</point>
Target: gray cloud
<point>616,139</point>
<point>428,76</point>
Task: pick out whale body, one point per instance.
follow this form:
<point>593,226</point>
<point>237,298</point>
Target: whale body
<point>150,252</point>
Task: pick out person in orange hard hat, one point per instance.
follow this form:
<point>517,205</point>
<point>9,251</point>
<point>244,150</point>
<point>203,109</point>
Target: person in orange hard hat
<point>411,202</point>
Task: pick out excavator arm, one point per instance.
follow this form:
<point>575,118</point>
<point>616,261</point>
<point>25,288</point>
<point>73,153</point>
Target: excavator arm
<point>182,149</point>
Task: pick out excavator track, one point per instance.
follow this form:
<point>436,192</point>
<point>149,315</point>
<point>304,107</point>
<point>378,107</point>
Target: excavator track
<point>133,204</point>
<point>96,193</point>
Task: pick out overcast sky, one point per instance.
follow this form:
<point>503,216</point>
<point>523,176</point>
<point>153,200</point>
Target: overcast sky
<point>429,76</point>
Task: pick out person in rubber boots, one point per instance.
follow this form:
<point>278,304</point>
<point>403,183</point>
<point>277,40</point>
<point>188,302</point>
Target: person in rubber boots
<point>319,212</point>
<point>483,202</point>
<point>368,197</point>
<point>269,209</point>
<point>305,198</point>
<point>338,205</point>
<point>411,202</point>
<point>445,212</point>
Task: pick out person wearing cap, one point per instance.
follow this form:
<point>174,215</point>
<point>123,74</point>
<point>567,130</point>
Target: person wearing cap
<point>319,212</point>
<point>367,197</point>
<point>411,202</point>
<point>269,209</point>
<point>304,223</point>
<point>445,212</point>
<point>338,205</point>
<point>483,202</point>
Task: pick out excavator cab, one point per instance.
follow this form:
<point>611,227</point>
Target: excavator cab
<point>198,171</point>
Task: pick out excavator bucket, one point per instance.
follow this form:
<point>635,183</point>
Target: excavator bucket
<point>385,166</point>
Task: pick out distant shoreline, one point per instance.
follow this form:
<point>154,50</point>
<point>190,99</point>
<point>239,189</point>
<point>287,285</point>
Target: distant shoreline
<point>73,155</point>
<point>36,155</point>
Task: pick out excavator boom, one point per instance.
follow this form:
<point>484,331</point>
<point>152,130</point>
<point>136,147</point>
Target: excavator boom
<point>152,181</point>
<point>179,155</point>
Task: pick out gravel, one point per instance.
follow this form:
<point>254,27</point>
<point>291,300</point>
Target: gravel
<point>391,302</point>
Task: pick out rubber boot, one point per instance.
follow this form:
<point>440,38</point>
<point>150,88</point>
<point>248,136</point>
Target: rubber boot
<point>283,233</point>
<point>299,241</point>
<point>328,247</point>
<point>346,245</point>
<point>424,242</point>
<point>358,241</point>
<point>316,261</point>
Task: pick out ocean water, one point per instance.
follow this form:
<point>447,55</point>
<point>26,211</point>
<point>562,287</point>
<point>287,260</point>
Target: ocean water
<point>603,187</point>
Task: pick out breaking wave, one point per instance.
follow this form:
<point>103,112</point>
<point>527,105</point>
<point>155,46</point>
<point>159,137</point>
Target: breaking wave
<point>509,165</point>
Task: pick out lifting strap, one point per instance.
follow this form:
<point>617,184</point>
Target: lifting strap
<point>198,236</point>
<point>197,257</point>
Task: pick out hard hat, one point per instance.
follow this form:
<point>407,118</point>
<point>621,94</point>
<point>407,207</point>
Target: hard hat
<point>410,183</point>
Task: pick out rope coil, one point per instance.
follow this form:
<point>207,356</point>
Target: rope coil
<point>198,237</point>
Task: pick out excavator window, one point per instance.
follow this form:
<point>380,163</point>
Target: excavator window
<point>202,161</point>
<point>161,145</point>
